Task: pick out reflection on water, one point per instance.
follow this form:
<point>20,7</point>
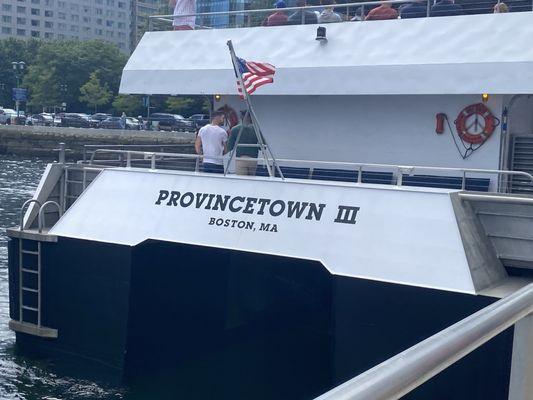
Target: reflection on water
<point>20,377</point>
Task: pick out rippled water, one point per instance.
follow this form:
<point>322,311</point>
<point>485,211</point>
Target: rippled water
<point>20,377</point>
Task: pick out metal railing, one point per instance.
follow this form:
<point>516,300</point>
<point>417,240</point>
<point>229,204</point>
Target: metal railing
<point>406,371</point>
<point>471,179</point>
<point>348,12</point>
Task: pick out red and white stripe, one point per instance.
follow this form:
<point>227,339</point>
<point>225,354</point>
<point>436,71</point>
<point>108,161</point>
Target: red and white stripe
<point>260,74</point>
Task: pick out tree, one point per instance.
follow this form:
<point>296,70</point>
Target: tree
<point>187,105</point>
<point>130,104</point>
<point>94,93</point>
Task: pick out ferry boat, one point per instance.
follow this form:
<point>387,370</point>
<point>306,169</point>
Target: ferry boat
<point>394,238</point>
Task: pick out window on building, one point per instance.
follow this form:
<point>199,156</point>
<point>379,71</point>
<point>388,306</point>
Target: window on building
<point>75,17</point>
<point>48,24</point>
<point>87,30</point>
<point>35,22</point>
<point>99,11</point>
<point>6,30</point>
<point>121,35</point>
<point>20,9</point>
<point>6,7</point>
<point>21,21</point>
<point>99,21</point>
<point>74,28</point>
<point>35,11</point>
<point>99,2</point>
<point>109,33</point>
<point>6,19</point>
<point>62,26</point>
<point>48,13</point>
<point>21,1</point>
<point>121,4</point>
<point>98,32</point>
<point>110,3</point>
<point>48,35</point>
<point>61,15</point>
<point>61,36</point>
<point>121,25</point>
<point>35,34</point>
<point>74,7</point>
<point>35,1</point>
<point>121,15</point>
<point>109,13</point>
<point>86,10</point>
<point>87,20</point>
<point>21,32</point>
<point>110,23</point>
<point>61,4</point>
<point>49,2</point>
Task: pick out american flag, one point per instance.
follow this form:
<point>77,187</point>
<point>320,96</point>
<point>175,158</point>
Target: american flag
<point>254,75</point>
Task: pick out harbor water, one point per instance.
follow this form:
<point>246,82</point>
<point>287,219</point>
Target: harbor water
<point>22,377</point>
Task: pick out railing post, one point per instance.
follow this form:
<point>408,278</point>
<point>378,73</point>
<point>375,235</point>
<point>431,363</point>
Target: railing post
<point>463,181</point>
<point>128,160</point>
<point>152,163</point>
<point>428,9</point>
<point>61,153</point>
<point>360,174</point>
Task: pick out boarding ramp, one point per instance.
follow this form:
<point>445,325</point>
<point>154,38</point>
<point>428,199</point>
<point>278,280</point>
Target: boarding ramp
<point>507,221</point>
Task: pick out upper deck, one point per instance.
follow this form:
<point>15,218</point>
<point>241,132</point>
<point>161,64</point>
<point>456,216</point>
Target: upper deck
<point>468,54</point>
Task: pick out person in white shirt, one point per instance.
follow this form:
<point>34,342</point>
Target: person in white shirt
<point>183,7</point>
<point>212,143</point>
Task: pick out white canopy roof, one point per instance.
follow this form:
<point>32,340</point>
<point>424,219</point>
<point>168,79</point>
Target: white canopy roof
<point>447,55</point>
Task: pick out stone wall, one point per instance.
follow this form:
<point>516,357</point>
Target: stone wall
<point>41,141</point>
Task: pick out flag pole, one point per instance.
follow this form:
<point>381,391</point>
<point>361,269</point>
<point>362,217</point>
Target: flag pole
<point>258,133</point>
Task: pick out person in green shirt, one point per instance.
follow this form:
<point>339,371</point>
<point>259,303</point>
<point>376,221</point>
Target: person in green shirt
<point>246,156</point>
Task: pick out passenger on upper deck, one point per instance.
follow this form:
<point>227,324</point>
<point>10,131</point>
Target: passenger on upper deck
<point>279,17</point>
<point>183,7</point>
<point>500,8</point>
<point>384,11</point>
<point>445,8</point>
<point>302,16</point>
<point>246,157</point>
<point>212,143</point>
<point>418,9</point>
<point>328,14</point>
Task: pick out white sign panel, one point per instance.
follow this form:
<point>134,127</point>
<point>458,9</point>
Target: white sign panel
<point>401,235</point>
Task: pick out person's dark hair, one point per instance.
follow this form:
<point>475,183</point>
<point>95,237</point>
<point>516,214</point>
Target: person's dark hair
<point>216,114</point>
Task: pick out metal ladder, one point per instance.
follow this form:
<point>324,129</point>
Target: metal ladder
<point>30,274</point>
<point>25,287</point>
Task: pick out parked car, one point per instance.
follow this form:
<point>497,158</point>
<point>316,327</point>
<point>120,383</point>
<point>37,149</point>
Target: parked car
<point>172,122</point>
<point>6,115</point>
<point>75,120</point>
<point>200,119</point>
<point>116,123</point>
<point>42,119</point>
<point>95,119</point>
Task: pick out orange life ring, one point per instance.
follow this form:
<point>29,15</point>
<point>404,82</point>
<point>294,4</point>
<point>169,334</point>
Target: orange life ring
<point>463,123</point>
<point>230,116</point>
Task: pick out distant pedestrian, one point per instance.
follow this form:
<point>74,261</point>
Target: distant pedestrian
<point>183,7</point>
<point>211,142</point>
<point>246,156</point>
<point>123,120</point>
<point>384,11</point>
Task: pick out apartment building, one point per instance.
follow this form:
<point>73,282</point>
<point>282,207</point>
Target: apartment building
<point>108,20</point>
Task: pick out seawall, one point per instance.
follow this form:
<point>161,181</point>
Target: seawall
<point>41,141</point>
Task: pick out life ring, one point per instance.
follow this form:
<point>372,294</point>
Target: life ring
<point>464,124</point>
<point>230,116</point>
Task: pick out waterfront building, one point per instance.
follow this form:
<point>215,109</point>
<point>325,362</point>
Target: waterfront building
<point>142,10</point>
<point>221,21</point>
<point>108,20</point>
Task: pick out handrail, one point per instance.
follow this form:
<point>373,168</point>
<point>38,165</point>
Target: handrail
<point>406,371</point>
<point>22,209</point>
<point>360,6</point>
<point>41,213</point>
<point>400,169</point>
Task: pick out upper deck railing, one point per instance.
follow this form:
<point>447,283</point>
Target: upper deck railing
<point>347,12</point>
<point>470,179</point>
